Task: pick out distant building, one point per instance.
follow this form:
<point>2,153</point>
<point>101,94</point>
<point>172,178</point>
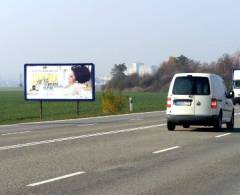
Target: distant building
<point>141,69</point>
<point>153,68</point>
<point>134,68</point>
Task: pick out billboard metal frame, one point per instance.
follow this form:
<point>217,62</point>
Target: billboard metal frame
<point>60,64</point>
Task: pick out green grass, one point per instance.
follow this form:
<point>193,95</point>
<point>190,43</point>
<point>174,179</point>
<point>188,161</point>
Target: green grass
<point>14,109</point>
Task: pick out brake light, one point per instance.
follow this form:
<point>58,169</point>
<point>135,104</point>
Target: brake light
<point>214,103</point>
<point>168,102</point>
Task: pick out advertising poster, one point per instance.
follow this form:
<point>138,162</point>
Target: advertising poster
<point>59,82</point>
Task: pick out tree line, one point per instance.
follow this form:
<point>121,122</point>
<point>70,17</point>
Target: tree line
<point>160,80</point>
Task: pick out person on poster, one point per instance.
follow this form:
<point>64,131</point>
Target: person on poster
<point>78,77</point>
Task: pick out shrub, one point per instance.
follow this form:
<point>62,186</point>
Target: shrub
<point>112,103</point>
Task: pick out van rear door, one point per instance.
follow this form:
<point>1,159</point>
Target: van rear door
<point>202,96</point>
<point>183,101</point>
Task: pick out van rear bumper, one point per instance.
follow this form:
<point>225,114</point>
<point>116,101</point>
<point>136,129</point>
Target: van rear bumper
<point>192,119</point>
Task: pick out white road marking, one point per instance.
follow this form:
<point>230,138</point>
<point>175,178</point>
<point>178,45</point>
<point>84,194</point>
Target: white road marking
<point>136,119</point>
<point>236,114</point>
<point>55,179</point>
<point>165,150</point>
<point>79,137</point>
<point>12,125</point>
<point>14,133</point>
<point>85,125</point>
<point>222,135</point>
<point>80,119</point>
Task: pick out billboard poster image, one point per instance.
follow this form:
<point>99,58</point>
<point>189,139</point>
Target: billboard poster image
<point>59,82</point>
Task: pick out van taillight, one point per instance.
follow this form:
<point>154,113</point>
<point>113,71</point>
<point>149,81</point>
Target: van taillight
<point>168,102</point>
<point>214,103</point>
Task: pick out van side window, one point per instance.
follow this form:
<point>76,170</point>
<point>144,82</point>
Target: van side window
<point>224,87</point>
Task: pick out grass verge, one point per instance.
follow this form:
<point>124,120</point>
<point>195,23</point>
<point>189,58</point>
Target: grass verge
<point>14,109</point>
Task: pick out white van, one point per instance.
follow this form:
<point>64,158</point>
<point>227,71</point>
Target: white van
<point>199,99</point>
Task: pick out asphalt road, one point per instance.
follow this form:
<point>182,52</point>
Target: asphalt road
<point>129,154</point>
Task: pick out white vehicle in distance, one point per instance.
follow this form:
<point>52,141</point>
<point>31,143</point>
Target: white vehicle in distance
<point>199,99</point>
<point>236,86</point>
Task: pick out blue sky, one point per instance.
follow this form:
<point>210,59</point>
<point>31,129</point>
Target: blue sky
<point>107,32</point>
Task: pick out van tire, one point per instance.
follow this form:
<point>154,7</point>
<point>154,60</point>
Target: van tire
<point>171,126</point>
<point>230,125</point>
<point>218,122</point>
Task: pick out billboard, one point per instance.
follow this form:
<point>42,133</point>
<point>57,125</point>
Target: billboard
<point>59,82</point>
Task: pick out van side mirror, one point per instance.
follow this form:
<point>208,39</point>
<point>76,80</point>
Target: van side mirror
<point>230,94</point>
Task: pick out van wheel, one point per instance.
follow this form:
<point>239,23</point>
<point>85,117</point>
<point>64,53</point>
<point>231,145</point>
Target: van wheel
<point>218,123</point>
<point>230,125</point>
<point>171,126</point>
<point>186,126</point>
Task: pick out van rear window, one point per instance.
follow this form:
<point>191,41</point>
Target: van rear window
<point>191,86</point>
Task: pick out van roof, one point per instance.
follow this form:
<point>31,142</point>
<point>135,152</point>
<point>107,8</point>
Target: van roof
<point>195,74</point>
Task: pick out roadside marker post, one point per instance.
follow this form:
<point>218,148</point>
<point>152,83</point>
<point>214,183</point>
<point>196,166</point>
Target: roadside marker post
<point>130,104</point>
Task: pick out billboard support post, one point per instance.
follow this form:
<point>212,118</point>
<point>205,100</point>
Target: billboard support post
<point>41,110</point>
<point>78,108</point>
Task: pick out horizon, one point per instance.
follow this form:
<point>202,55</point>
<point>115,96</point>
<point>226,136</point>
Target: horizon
<point>15,82</point>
